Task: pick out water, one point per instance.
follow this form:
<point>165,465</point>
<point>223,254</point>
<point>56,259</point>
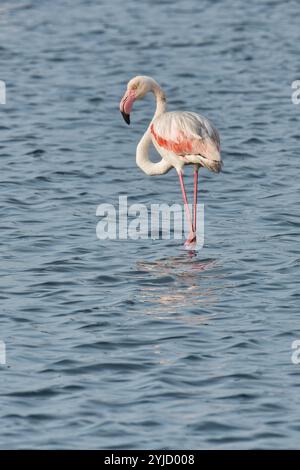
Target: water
<point>136,344</point>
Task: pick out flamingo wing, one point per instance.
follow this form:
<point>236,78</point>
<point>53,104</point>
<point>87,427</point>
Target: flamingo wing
<point>190,136</point>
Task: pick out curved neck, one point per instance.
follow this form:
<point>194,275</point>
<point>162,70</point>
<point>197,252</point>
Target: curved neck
<point>142,151</point>
<point>161,101</point>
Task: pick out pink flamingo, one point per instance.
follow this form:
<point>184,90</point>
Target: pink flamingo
<point>180,137</point>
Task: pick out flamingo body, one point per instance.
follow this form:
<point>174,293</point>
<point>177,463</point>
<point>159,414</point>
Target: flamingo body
<point>190,137</point>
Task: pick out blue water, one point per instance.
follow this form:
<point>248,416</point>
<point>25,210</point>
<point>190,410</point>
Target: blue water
<point>134,343</point>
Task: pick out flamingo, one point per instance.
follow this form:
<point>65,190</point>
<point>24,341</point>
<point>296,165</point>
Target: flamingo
<point>180,137</point>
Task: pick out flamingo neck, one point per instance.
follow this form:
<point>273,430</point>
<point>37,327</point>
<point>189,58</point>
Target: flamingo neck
<point>161,101</point>
<point>142,151</point>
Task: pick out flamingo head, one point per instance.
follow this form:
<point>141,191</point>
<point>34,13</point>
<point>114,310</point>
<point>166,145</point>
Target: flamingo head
<point>137,88</point>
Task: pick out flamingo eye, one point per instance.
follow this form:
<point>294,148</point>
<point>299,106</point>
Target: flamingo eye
<point>134,86</point>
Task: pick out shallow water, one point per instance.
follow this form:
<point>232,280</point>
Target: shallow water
<point>137,344</point>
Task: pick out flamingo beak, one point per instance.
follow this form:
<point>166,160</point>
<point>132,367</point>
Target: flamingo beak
<point>126,117</point>
<point>126,104</point>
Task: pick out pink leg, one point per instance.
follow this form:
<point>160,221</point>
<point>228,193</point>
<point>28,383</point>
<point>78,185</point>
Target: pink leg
<point>191,238</point>
<point>195,196</point>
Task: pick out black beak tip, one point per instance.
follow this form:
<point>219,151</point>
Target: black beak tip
<point>126,117</point>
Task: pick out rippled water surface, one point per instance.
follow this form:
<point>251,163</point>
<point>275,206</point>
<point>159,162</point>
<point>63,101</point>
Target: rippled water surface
<point>138,344</point>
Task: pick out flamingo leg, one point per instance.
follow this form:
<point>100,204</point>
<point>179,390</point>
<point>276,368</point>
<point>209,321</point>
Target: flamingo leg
<point>192,235</point>
<point>195,196</point>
